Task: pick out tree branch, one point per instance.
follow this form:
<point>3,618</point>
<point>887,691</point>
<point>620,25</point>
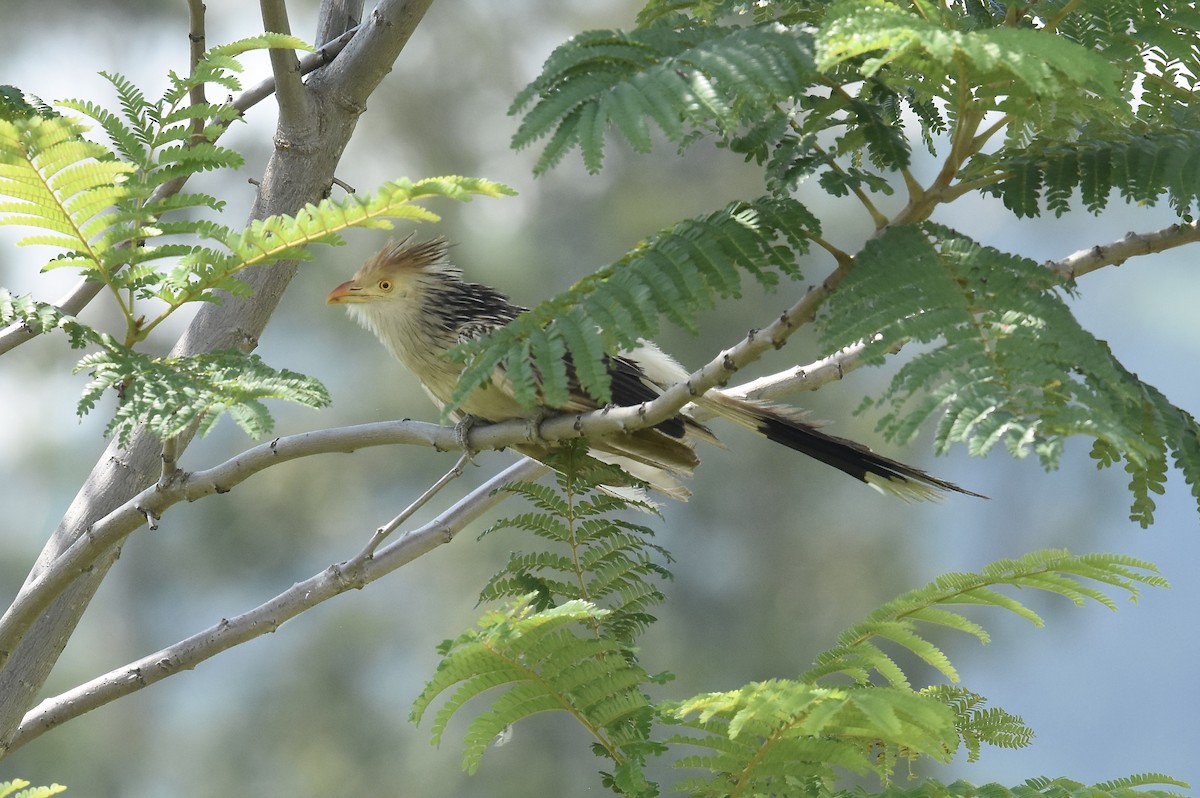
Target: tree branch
<point>196,39</point>
<point>1116,253</point>
<point>352,574</point>
<point>295,110</point>
<point>373,50</point>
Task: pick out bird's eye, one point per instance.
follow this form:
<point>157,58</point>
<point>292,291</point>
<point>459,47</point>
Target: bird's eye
<point>385,285</point>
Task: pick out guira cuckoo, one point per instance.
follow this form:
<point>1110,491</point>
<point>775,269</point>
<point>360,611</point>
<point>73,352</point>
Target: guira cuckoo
<point>419,306</point>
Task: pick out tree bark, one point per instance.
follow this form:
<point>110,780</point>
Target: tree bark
<point>300,170</point>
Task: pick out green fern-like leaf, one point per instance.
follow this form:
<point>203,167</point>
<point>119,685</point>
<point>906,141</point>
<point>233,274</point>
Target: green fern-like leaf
<point>901,620</point>
<point>772,737</point>
<point>978,724</point>
<point>687,79</point>
<point>1012,365</point>
<point>168,395</point>
<point>901,45</point>
<point>676,273</point>
<point>541,663</point>
<point>1140,167</point>
<point>769,735</point>
<point>592,556</point>
<point>42,317</point>
<point>16,104</point>
<point>53,179</point>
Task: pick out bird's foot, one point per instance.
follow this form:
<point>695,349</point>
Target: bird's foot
<point>462,432</point>
<point>533,428</point>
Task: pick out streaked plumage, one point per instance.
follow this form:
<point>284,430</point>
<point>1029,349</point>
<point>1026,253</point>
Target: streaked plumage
<point>419,306</point>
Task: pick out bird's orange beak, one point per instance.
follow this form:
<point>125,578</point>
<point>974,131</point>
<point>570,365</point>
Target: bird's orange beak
<point>346,292</point>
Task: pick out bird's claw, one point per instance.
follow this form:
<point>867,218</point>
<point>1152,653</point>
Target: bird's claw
<point>462,431</point>
<point>533,427</point>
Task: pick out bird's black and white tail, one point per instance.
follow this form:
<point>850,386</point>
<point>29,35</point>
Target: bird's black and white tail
<point>785,425</point>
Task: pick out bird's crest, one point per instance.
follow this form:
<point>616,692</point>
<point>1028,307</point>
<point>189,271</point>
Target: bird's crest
<point>406,257</point>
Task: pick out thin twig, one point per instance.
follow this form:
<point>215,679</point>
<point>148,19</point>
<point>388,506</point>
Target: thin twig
<point>170,466</point>
<point>196,40</point>
<point>1116,253</point>
<point>382,532</point>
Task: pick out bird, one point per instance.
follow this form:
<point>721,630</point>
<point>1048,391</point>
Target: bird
<point>419,306</point>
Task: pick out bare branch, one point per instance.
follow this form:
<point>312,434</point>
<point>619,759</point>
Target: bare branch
<point>371,53</point>
<point>382,533</point>
<point>1116,253</point>
<point>196,40</point>
<point>334,580</point>
<point>337,17</point>
<point>801,378</point>
<point>294,106</point>
<point>309,63</point>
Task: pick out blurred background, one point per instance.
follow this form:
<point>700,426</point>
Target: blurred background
<point>770,568</point>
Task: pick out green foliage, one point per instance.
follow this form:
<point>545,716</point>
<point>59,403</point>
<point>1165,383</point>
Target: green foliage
<point>169,395</point>
<point>564,641</point>
<point>1143,157</point>
<point>675,273</point>
<point>898,622</point>
<point>118,216</point>
<point>1049,107</point>
<point>773,738</point>
<point>1140,166</point>
<point>544,664</point>
<point>590,557</point>
<point>14,104</point>
<point>552,647</point>
<point>767,738</point>
<point>1010,364</point>
<point>977,723</point>
<point>687,80</point>
<point>9,789</point>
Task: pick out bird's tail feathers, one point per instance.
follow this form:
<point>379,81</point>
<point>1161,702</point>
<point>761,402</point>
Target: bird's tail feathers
<point>787,426</point>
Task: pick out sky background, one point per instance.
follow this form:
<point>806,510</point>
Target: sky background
<point>776,555</point>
